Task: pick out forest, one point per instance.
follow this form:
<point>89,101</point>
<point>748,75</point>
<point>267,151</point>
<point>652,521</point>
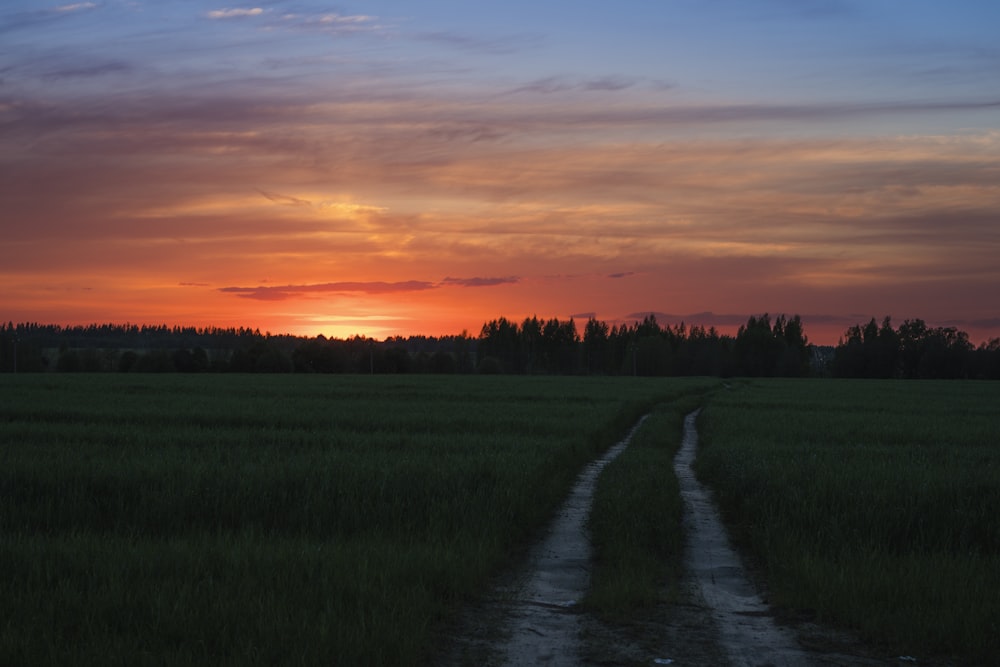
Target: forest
<point>762,347</point>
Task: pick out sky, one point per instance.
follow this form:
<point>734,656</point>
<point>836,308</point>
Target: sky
<point>419,168</point>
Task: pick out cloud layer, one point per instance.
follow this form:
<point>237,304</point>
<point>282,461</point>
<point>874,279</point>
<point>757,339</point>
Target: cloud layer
<point>283,292</point>
<point>296,168</point>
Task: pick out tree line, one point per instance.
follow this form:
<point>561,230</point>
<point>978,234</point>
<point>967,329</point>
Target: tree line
<point>913,350</point>
<point>762,347</point>
<point>33,347</point>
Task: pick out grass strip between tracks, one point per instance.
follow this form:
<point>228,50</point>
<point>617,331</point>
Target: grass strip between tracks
<point>636,519</point>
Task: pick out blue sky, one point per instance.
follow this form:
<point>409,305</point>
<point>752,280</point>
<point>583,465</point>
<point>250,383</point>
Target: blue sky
<point>177,161</point>
<point>725,51</point>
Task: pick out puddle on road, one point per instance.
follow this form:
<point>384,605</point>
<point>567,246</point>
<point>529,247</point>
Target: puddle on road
<point>746,628</point>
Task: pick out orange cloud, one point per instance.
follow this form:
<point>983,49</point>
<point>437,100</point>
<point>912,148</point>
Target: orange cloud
<point>303,204</point>
<point>283,292</point>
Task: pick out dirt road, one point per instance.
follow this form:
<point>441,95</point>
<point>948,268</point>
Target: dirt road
<point>532,617</point>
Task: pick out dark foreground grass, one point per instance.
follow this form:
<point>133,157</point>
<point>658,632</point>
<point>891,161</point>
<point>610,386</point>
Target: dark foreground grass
<point>874,503</point>
<point>635,521</point>
<point>233,520</point>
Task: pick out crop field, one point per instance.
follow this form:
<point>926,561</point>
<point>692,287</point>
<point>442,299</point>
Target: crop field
<point>277,519</point>
<point>872,504</point>
<point>182,519</point>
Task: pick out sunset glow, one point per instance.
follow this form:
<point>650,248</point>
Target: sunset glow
<point>392,168</point>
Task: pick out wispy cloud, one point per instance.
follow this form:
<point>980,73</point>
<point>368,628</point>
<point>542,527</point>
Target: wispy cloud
<point>75,7</point>
<point>552,85</point>
<point>284,199</point>
<point>27,19</point>
<point>283,292</point>
<point>234,13</point>
<point>560,84</point>
<point>984,323</point>
<point>479,282</point>
<point>338,19</point>
<point>611,83</point>
<point>88,70</point>
<point>329,23</point>
<point>547,85</point>
<point>327,206</point>
<point>503,45</point>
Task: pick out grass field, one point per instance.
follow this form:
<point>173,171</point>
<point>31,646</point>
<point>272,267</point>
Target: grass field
<point>316,519</point>
<point>875,504</point>
<point>277,520</point>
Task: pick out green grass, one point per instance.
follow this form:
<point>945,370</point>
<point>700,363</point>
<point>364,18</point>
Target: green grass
<point>318,519</point>
<point>636,518</point>
<point>874,503</point>
<point>277,520</point>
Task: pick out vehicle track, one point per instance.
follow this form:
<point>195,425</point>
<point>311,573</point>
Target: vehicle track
<point>532,617</point>
<point>746,627</point>
<point>545,627</point>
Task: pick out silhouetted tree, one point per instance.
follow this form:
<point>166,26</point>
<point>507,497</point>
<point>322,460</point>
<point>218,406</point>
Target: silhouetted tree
<point>69,362</point>
<point>913,351</point>
<point>868,352</point>
<point>559,346</point>
<point>500,340</point>
<point>763,350</point>
<point>531,347</point>
<point>650,352</point>
<point>643,347</point>
<point>154,361</point>
<point>395,360</point>
<point>704,352</point>
<point>596,346</point>
<point>443,362</point>
<point>912,339</point>
<point>756,348</point>
<point>986,360</point>
<point>490,366</point>
<point>126,360</point>
<point>319,355</point>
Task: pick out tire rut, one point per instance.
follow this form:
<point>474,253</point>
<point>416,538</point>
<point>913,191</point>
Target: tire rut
<point>744,622</point>
<point>532,618</point>
<point>546,628</point>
